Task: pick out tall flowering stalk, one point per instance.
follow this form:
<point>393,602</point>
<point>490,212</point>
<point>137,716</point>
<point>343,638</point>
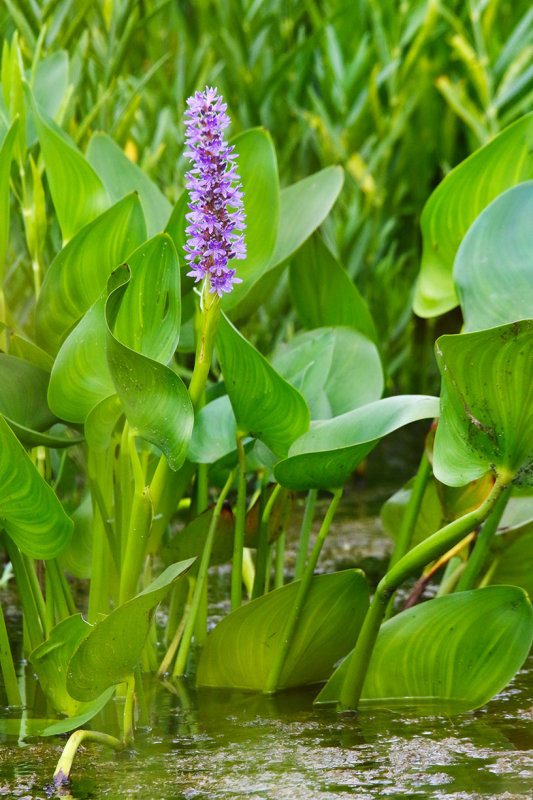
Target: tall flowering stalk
<point>216,218</point>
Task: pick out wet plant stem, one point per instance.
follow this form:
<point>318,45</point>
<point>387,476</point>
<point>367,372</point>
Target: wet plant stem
<point>7,666</point>
<point>98,597</point>
<point>238,541</point>
<point>128,710</point>
<point>262,547</point>
<point>305,531</point>
<point>183,652</point>
<point>276,669</point>
<point>64,765</point>
<point>428,550</point>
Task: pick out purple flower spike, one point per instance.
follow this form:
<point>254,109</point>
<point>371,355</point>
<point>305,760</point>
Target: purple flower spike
<point>214,231</point>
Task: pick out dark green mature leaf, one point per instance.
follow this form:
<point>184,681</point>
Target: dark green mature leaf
<point>30,512</point>
<point>336,369</point>
<point>265,405</point>
<point>240,651</point>
<point>78,194</point>
<point>78,275</point>
<point>23,388</point>
<point>113,646</point>
<point>6,154</point>
<point>487,396</point>
<point>457,201</point>
<point>322,292</point>
<point>332,449</point>
<point>155,401</point>
<point>121,176</point>
<point>493,270</point>
<point>258,169</point>
<point>446,656</point>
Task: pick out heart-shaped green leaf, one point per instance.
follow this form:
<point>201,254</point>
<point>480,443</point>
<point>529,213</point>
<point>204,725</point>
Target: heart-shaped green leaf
<point>264,403</point>
<point>121,176</point>
<point>457,201</point>
<point>240,651</point>
<point>113,646</point>
<point>322,292</point>
<point>493,271</point>
<point>328,454</point>
<point>485,420</point>
<point>336,369</point>
<point>78,194</point>
<point>30,512</point>
<point>78,275</point>
<point>448,655</point>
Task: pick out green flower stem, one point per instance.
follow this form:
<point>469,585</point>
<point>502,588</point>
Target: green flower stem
<point>305,530</point>
<point>279,567</point>
<point>128,710</point>
<point>7,666</point>
<point>263,547</point>
<point>481,547</point>
<point>30,610</point>
<point>200,628</point>
<point>183,652</point>
<point>238,541</point>
<point>64,765</point>
<point>139,529</point>
<point>292,621</point>
<point>431,548</point>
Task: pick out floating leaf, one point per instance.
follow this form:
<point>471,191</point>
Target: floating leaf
<point>336,369</point>
<point>493,271</point>
<point>446,656</point>
<point>113,646</point>
<point>327,455</point>
<point>240,651</point>
<point>265,405</point>
<point>457,201</point>
<point>485,421</point>
<point>30,512</point>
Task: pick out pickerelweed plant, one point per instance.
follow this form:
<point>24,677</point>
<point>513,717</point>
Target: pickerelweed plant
<point>133,458</point>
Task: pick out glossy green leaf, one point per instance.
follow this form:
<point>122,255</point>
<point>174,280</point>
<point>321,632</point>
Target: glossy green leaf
<point>113,646</point>
<point>457,201</point>
<point>336,369</point>
<point>215,432</point>
<point>23,388</point>
<point>78,275</point>
<point>258,170</point>
<point>487,395</point>
<point>30,512</point>
<point>322,292</point>
<point>265,405</point>
<point>78,194</point>
<point>240,651</point>
<point>6,154</point>
<point>493,271</point>
<point>446,656</point>
<point>76,558</point>
<point>101,422</point>
<point>29,351</point>
<point>327,455</point>
<point>155,401</point>
<point>121,176</point>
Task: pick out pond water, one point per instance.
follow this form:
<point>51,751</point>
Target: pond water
<point>194,746</point>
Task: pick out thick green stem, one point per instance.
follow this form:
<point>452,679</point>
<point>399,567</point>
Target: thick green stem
<point>305,531</point>
<point>36,591</point>
<point>262,545</point>
<point>97,468</point>
<point>279,566</point>
<point>481,547</point>
<point>30,610</point>
<point>238,541</point>
<point>64,765</point>
<point>183,652</point>
<point>128,710</point>
<point>437,544</point>
<point>279,660</point>
<point>8,668</point>
<point>139,529</point>
<point>56,586</point>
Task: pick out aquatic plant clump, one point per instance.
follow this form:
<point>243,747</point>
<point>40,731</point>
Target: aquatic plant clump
<point>216,218</point>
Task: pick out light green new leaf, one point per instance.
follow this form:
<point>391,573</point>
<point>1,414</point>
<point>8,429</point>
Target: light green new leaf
<point>457,201</point>
<point>240,651</point>
<point>493,270</point>
<point>78,194</point>
<point>155,401</point>
<point>449,655</point>
<point>76,558</point>
<point>78,275</point>
<point>265,405</point>
<point>336,369</point>
<point>327,455</point>
<point>30,512</point>
<point>258,169</point>
<point>322,292</point>
<point>215,432</point>
<point>121,176</point>
<point>6,154</point>
<point>113,646</point>
<point>486,400</point>
<point>101,421</point>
